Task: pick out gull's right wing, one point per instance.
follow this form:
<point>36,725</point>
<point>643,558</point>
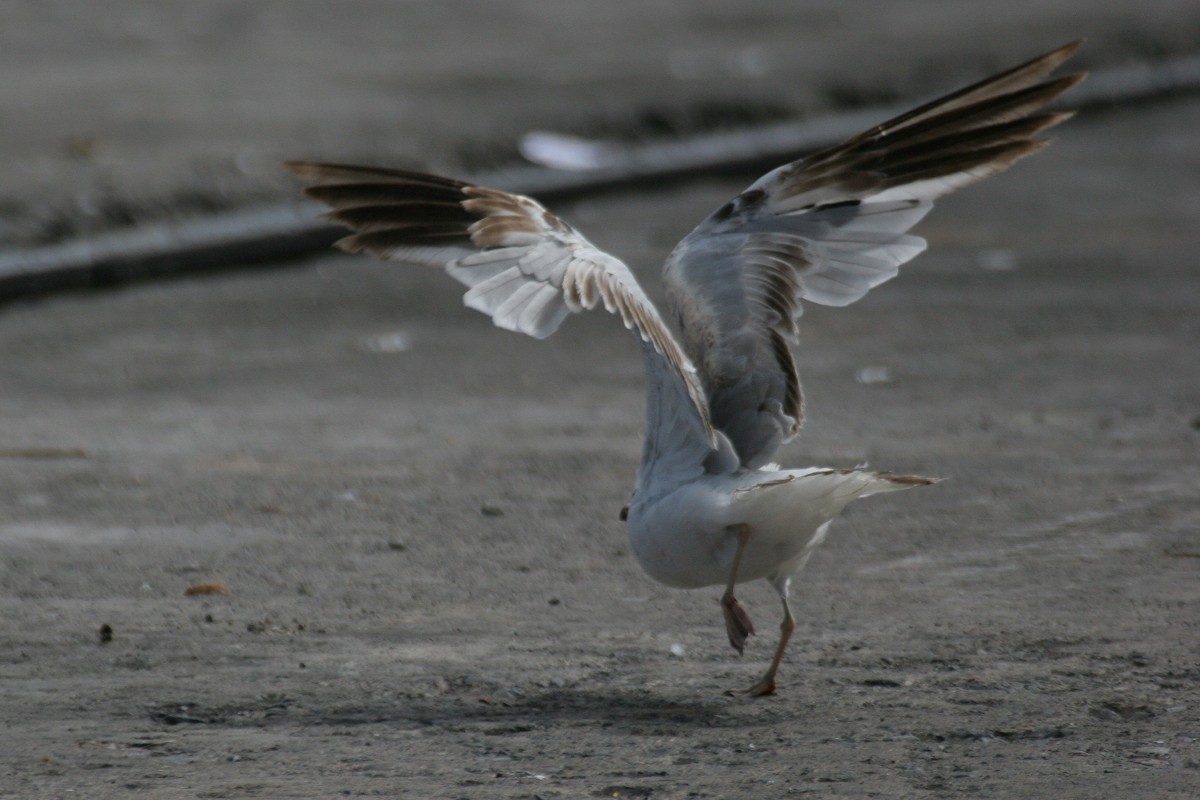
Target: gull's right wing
<point>829,228</point>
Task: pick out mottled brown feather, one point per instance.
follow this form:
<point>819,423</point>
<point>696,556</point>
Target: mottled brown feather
<point>492,231</point>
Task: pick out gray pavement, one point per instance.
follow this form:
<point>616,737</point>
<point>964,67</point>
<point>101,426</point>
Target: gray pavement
<point>414,515</point>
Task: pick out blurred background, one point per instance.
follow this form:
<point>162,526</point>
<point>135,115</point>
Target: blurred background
<point>128,110</point>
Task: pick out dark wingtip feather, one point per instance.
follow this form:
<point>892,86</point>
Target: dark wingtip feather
<point>1024,77</point>
<point>335,172</point>
<point>396,214</point>
<point>908,480</point>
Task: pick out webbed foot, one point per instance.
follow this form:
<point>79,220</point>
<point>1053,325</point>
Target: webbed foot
<point>737,623</point>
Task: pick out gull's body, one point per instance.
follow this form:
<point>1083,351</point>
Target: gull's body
<point>684,538</point>
<point>721,398</point>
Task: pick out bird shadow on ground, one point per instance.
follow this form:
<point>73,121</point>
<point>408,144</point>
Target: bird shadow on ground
<point>617,707</point>
<point>633,711</point>
<point>629,710</point>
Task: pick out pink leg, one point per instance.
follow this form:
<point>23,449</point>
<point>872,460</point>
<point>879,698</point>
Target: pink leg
<point>766,684</point>
<point>737,622</point>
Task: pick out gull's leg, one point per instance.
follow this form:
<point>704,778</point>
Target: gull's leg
<point>766,684</point>
<point>737,621</point>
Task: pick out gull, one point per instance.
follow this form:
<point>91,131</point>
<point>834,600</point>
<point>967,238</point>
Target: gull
<point>722,392</point>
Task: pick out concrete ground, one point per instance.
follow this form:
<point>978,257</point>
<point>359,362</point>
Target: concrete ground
<point>414,516</point>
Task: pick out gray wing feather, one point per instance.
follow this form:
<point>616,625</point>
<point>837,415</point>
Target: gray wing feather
<point>828,229</point>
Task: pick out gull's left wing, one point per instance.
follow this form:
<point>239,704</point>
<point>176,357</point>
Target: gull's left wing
<point>526,269</point>
<point>829,228</point>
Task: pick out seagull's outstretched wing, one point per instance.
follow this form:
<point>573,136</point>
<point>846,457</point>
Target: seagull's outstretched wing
<point>526,268</point>
<point>829,228</point>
